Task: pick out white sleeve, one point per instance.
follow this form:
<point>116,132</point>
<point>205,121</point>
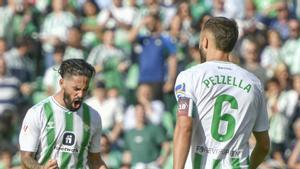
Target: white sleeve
<point>48,78</point>
<point>183,86</point>
<point>30,131</point>
<point>119,114</point>
<point>95,139</point>
<point>262,122</point>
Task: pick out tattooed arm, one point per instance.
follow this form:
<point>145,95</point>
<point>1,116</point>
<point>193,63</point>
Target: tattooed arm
<point>28,162</point>
<point>95,161</point>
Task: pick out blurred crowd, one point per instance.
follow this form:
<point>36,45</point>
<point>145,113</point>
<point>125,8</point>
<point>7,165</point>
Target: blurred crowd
<point>137,48</point>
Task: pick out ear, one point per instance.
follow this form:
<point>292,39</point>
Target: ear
<point>61,82</point>
<point>205,43</point>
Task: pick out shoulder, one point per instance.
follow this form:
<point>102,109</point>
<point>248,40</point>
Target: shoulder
<point>253,79</point>
<point>41,104</point>
<point>94,115</point>
<point>188,73</point>
<point>37,110</point>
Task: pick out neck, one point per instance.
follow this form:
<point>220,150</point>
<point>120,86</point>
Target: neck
<point>217,55</point>
<point>59,98</point>
<point>140,125</point>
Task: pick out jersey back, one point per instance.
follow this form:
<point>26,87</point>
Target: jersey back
<point>228,104</point>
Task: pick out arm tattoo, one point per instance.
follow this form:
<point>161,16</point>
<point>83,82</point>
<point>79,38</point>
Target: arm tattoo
<point>29,163</point>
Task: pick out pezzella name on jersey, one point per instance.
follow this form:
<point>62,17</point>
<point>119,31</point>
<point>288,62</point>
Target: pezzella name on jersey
<point>227,80</point>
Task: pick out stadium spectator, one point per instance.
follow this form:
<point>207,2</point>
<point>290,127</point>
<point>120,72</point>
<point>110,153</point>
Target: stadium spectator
<point>294,161</point>
<point>295,108</point>
<point>275,98</point>
<point>144,143</point>
<point>6,14</point>
<point>280,23</point>
<point>270,56</point>
<point>154,108</point>
<point>156,54</point>
<point>54,30</point>
<point>112,158</point>
<point>109,61</point>
<point>115,16</point>
<point>18,62</point>
<point>25,20</point>
<point>250,54</point>
<point>51,77</point>
<point>74,48</point>
<point>111,110</point>
<point>9,88</point>
<point>290,53</point>
<point>283,75</point>
<point>3,46</point>
<point>89,26</point>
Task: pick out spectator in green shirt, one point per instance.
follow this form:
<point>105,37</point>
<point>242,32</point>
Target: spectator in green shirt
<point>144,143</point>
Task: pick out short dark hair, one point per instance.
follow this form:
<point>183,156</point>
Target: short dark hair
<point>59,48</point>
<point>75,67</point>
<point>225,32</point>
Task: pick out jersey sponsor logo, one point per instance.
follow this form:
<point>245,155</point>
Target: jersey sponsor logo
<point>183,106</point>
<point>207,150</point>
<point>68,139</point>
<point>180,90</point>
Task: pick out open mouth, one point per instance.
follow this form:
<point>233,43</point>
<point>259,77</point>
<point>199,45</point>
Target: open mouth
<point>77,103</point>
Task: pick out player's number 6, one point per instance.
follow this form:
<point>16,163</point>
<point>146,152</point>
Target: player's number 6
<point>217,117</point>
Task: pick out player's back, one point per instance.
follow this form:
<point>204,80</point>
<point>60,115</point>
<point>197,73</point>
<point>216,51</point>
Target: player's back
<point>227,99</point>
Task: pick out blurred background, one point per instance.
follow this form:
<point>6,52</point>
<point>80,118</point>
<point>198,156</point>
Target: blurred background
<point>138,47</point>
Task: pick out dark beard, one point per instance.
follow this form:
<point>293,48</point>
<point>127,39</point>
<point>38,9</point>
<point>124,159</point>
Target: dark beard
<point>202,55</point>
<point>69,102</point>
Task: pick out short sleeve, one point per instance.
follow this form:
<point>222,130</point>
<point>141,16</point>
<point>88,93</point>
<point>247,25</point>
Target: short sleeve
<point>49,77</point>
<point>140,38</point>
<point>119,114</point>
<point>171,46</point>
<point>30,132</point>
<point>95,139</point>
<point>183,86</point>
<point>262,122</point>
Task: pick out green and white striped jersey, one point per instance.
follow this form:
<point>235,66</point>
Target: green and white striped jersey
<point>54,132</point>
<point>229,105</point>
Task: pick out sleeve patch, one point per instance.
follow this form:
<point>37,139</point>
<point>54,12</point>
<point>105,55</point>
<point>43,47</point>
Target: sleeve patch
<point>184,106</point>
<point>180,90</point>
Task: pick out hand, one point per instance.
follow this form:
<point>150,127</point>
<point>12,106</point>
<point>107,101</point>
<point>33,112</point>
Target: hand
<point>26,89</point>
<point>51,164</point>
<point>98,68</point>
<point>168,87</point>
<point>160,161</point>
<point>122,67</point>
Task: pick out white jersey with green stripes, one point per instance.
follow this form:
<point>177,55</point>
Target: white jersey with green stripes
<point>54,132</point>
<point>227,106</point>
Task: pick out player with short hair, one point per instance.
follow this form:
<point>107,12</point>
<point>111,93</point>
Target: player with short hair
<point>62,131</point>
<point>229,104</point>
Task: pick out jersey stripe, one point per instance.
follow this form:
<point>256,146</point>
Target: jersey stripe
<point>235,162</point>
<point>216,164</point>
<point>50,127</point>
<point>197,161</point>
<point>69,127</point>
<point>86,135</point>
